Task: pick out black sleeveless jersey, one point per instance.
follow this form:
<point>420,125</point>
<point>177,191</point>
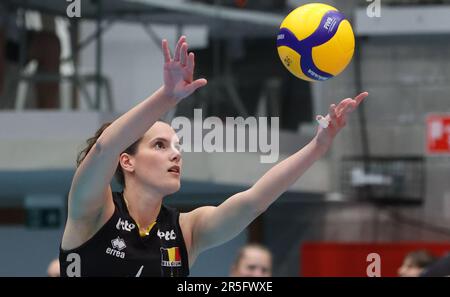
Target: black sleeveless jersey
<point>117,249</point>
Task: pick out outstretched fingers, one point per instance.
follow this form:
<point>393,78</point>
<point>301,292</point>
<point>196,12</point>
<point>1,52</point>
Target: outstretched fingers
<point>342,106</point>
<point>332,113</point>
<point>198,83</point>
<point>361,97</point>
<point>355,102</point>
<point>337,115</point>
<point>190,64</point>
<point>184,54</point>
<point>166,51</point>
<point>180,43</point>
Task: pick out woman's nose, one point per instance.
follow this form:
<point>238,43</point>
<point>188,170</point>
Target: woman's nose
<point>176,155</point>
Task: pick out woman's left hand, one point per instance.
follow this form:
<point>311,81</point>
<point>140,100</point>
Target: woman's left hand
<point>179,71</point>
<point>337,119</point>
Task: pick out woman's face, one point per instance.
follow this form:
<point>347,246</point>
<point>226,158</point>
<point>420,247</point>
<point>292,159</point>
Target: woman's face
<point>408,269</point>
<point>254,263</point>
<point>157,162</point>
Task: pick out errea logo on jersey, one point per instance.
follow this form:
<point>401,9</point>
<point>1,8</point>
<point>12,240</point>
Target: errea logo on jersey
<point>124,225</point>
<point>168,235</point>
<point>118,245</point>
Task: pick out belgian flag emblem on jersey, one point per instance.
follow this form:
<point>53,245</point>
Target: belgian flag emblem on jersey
<point>170,257</point>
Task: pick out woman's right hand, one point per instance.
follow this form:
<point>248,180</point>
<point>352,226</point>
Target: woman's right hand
<point>179,72</point>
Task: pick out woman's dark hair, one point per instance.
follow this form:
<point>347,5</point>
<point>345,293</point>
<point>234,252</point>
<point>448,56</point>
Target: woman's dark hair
<point>131,150</point>
<point>420,258</point>
<point>246,247</point>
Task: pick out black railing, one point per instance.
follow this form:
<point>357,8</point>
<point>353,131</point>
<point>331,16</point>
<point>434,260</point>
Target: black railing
<point>386,180</point>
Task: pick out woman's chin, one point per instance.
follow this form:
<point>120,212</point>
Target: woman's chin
<point>172,188</point>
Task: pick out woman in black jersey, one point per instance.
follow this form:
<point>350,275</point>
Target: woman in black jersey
<point>132,233</point>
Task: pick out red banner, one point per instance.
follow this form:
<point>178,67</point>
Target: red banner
<point>352,259</point>
<point>438,134</point>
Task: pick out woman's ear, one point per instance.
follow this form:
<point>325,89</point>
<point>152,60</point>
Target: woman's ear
<point>126,162</point>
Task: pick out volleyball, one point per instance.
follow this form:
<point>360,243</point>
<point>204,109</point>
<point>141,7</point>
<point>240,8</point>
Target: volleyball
<point>315,42</point>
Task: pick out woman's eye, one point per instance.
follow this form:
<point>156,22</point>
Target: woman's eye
<point>159,145</point>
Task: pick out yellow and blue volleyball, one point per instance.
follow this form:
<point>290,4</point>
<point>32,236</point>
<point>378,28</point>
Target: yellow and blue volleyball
<point>315,42</point>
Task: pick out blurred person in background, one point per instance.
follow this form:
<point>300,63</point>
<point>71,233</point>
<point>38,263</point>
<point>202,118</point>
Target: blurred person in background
<point>253,260</point>
<point>42,46</point>
<point>439,268</point>
<point>53,268</point>
<point>415,263</point>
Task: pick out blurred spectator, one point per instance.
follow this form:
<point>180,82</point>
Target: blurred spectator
<point>53,268</point>
<point>252,260</point>
<point>42,46</point>
<point>440,267</point>
<point>415,262</point>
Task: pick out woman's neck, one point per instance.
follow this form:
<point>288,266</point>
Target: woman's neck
<point>143,206</point>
